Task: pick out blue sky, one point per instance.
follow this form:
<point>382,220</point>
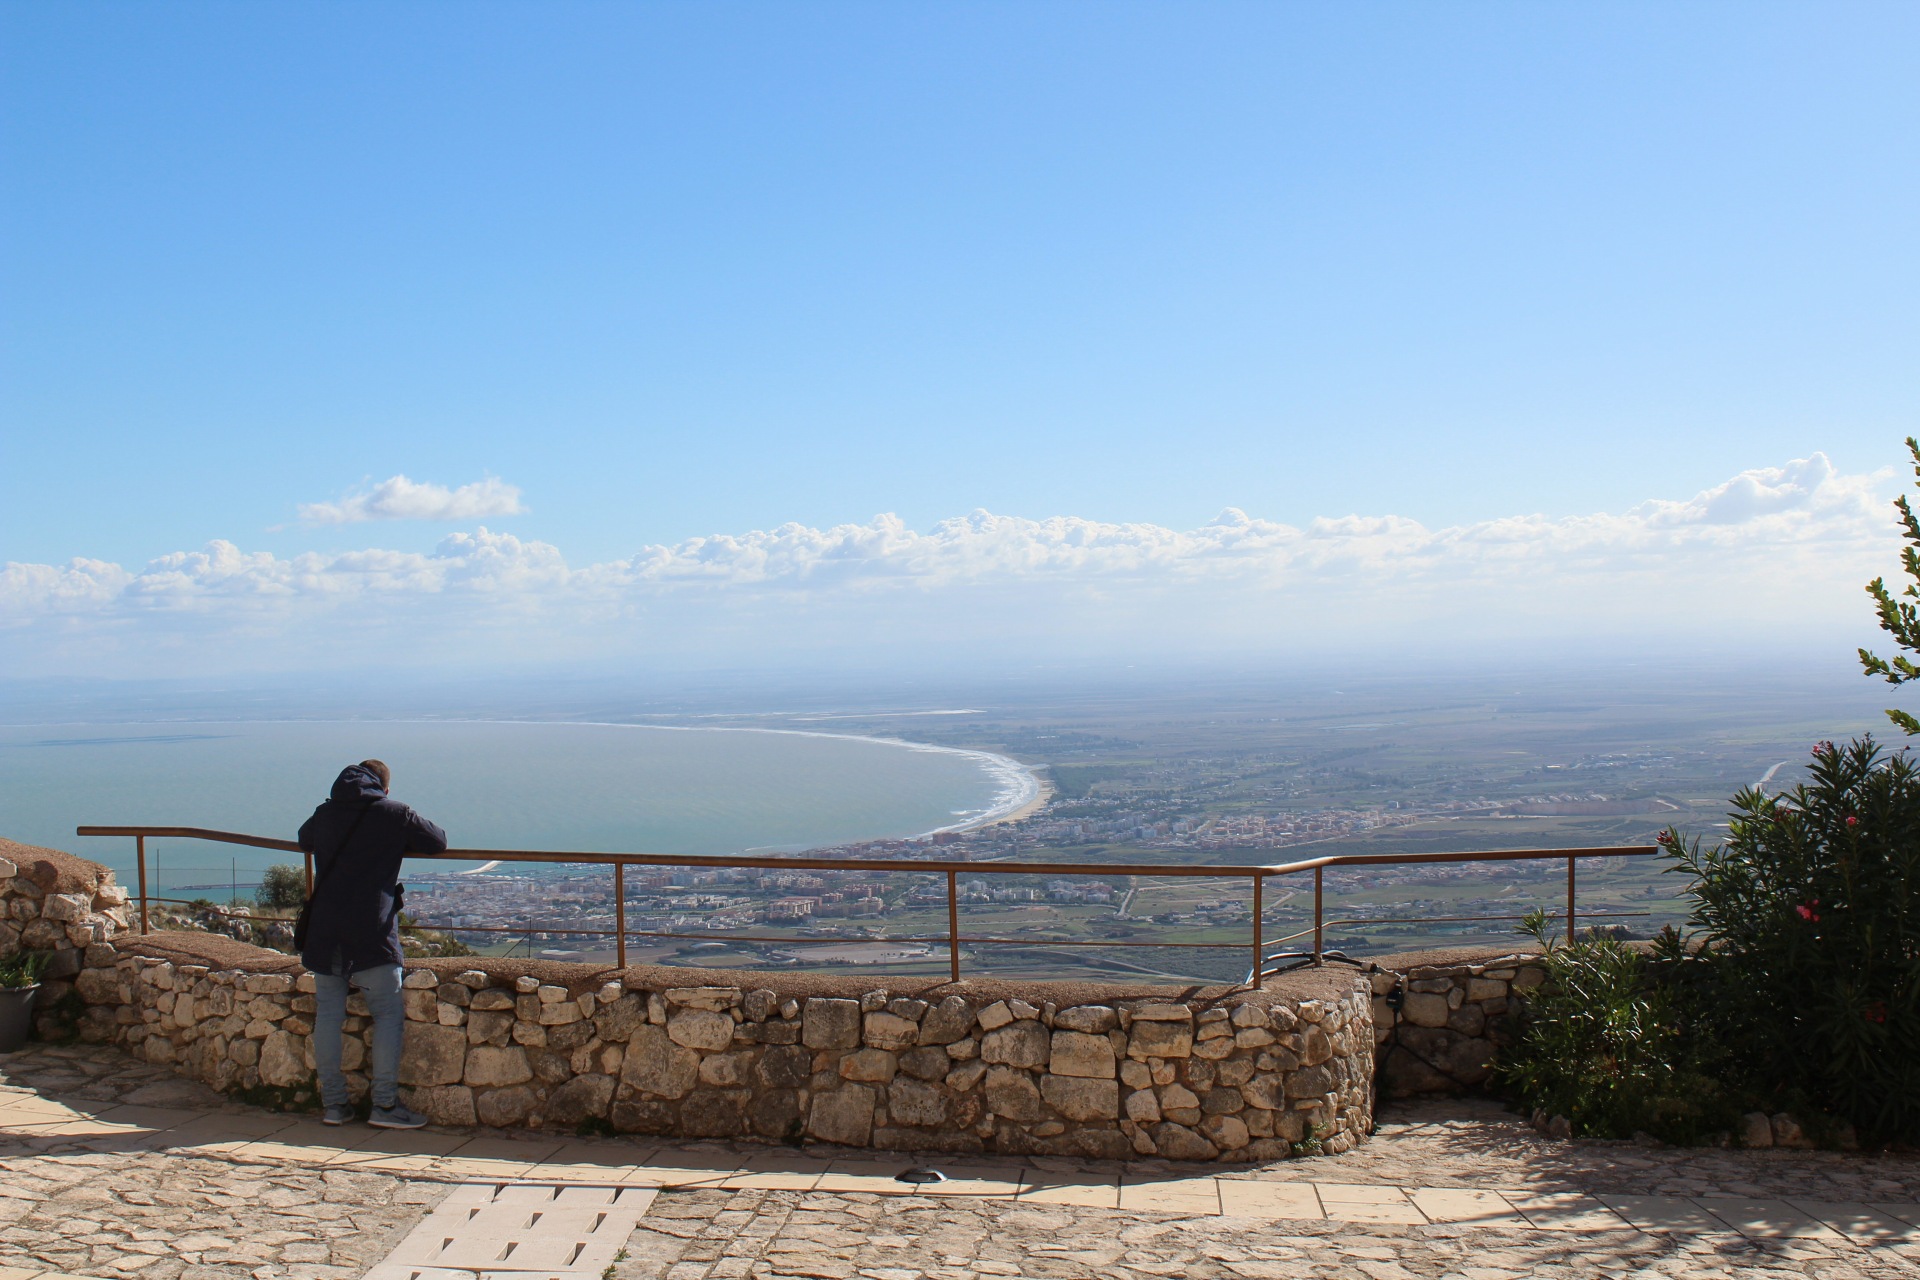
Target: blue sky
<point>673,271</point>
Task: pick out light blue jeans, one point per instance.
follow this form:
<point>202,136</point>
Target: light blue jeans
<point>381,986</point>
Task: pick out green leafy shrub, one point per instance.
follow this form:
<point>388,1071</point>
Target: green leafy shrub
<point>1807,970</point>
<point>1604,1043</point>
<point>282,888</point>
<point>21,969</point>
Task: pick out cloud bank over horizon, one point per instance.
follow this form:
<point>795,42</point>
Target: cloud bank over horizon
<point>398,498</point>
<point>1771,553</point>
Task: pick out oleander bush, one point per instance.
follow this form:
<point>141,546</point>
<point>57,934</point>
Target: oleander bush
<point>1797,988</point>
<point>1805,973</point>
<point>1606,1042</point>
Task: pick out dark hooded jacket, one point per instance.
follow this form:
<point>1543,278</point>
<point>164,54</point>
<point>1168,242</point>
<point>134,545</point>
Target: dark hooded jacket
<point>357,839</point>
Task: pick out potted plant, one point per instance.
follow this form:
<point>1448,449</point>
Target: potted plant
<point>19,982</point>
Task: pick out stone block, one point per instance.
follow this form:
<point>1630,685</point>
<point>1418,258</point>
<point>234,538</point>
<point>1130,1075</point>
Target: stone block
<point>283,1060</point>
<point>1310,1082</point>
<point>1788,1133</point>
<point>1142,1107</point>
<point>419,979</point>
<point>726,1070</point>
<point>1485,989</point>
<point>1079,1098</point>
<point>1756,1129</point>
<point>929,1062</point>
<point>491,999</point>
<point>1163,1013</point>
<point>995,1016</point>
<point>843,1115</point>
<point>1250,1015</point>
<point>1091,1019</point>
<point>443,1104</point>
<point>783,1067</point>
<point>505,1108</point>
<point>551,993</point>
<point>65,907</point>
<point>1229,1133</point>
<point>775,1114</point>
<point>1468,1020</point>
<point>711,999</point>
<point>912,1102</point>
<point>488,1066</point>
<point>1177,1142</point>
<point>1160,1039</point>
<point>1023,1043</point>
<point>875,1066</point>
<point>886,1030</point>
<point>830,1024</point>
<point>656,1065</point>
<point>1426,1009</point>
<point>700,1028</point>
<point>560,1015</point>
<point>1079,1053</point>
<point>1011,1093</point>
<point>965,1077</point>
<point>433,1054</point>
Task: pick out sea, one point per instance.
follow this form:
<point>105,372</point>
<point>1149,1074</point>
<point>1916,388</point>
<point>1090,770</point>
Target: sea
<point>491,784</point>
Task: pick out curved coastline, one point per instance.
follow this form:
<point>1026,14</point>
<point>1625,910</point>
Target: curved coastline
<point>1022,791</point>
<point>1018,790</point>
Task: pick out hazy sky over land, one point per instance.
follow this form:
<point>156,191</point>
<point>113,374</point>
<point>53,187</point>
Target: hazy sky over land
<point>675,333</point>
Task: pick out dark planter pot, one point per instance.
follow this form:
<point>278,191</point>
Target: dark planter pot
<point>16,1016</point>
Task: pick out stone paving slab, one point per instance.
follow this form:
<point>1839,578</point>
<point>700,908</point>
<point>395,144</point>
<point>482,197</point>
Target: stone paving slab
<point>193,1187</point>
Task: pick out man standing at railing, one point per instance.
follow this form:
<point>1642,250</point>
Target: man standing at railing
<point>352,930</point>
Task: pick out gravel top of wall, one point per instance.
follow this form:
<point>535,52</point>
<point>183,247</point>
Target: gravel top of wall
<point>52,870</point>
<point>1445,957</point>
<point>215,951</point>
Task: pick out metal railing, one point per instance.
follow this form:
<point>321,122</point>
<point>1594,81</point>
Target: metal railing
<point>1257,874</point>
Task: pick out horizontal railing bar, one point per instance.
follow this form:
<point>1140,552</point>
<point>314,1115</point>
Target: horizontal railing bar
<point>1551,915</point>
<point>802,863</point>
<point>1479,855</point>
<point>570,931</point>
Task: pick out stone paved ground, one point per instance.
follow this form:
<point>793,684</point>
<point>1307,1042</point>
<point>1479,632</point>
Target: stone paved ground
<point>100,1201</point>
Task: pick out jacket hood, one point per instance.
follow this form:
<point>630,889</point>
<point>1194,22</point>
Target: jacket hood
<point>355,785</point>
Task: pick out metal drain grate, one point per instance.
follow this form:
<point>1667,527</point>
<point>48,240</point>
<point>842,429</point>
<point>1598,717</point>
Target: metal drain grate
<point>518,1231</point>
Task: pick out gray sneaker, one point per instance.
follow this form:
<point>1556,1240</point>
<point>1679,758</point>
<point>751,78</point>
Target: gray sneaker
<point>397,1116</point>
<point>341,1114</point>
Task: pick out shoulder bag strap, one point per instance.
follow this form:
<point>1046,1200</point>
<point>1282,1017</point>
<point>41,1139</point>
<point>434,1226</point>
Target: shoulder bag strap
<point>339,849</point>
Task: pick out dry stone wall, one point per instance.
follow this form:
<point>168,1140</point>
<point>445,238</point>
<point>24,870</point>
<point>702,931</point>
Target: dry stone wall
<point>1244,1078</point>
<point>65,907</point>
<point>1436,1027</point>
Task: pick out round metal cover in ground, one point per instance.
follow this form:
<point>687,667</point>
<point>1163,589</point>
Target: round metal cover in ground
<point>920,1176</point>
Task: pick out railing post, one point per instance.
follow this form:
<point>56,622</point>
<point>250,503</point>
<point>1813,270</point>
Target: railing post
<point>1318,916</point>
<point>140,852</point>
<point>1570,862</point>
<point>953,926</point>
<point>1259,957</point>
<point>620,914</point>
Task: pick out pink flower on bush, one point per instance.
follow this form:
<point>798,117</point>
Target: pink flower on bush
<point>1852,821</point>
<point>1806,910</point>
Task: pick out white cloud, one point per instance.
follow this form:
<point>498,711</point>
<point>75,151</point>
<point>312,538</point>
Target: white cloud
<point>1772,549</point>
<point>399,498</point>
